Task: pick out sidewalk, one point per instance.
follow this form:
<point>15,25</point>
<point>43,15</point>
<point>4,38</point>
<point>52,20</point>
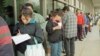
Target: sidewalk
<point>90,46</point>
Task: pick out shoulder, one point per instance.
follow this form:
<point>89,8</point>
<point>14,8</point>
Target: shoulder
<point>2,22</point>
<point>49,22</point>
<point>38,15</point>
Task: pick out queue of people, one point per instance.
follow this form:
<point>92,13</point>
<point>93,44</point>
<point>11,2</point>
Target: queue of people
<point>61,27</point>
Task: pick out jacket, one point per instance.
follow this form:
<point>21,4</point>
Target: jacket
<point>53,35</point>
<point>41,21</point>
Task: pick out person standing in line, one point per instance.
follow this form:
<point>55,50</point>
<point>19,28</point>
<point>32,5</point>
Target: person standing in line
<point>86,23</point>
<point>90,21</point>
<point>54,30</point>
<point>80,24</point>
<point>98,24</point>
<point>40,20</point>
<point>9,17</point>
<point>6,46</point>
<point>69,31</point>
<point>28,25</point>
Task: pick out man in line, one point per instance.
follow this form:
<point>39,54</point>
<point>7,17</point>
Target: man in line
<point>6,46</point>
<point>69,31</point>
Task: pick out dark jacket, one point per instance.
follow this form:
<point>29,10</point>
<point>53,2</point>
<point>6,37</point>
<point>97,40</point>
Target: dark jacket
<point>33,29</point>
<point>53,35</point>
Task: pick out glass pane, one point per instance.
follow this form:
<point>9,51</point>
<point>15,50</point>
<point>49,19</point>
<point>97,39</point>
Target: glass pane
<point>3,4</point>
<point>35,3</point>
<point>58,5</point>
<point>71,2</point>
<point>49,6</point>
<point>72,9</point>
<point>77,4</point>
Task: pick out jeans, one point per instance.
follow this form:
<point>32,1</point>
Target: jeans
<point>69,46</point>
<point>79,32</point>
<point>56,49</point>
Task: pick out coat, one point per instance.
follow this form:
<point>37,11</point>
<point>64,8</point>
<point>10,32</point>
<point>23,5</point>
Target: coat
<point>6,46</point>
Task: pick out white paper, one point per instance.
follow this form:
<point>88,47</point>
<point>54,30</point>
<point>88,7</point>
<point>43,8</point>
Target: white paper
<point>20,38</point>
<point>60,24</point>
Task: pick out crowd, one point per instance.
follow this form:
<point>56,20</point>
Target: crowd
<point>58,31</point>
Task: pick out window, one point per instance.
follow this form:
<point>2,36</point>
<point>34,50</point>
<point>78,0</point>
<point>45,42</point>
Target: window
<point>36,5</point>
<point>72,9</point>
<point>67,1</point>
<point>49,6</point>
<point>77,4</point>
<point>3,4</point>
<point>71,2</point>
<point>81,5</point>
<point>58,5</point>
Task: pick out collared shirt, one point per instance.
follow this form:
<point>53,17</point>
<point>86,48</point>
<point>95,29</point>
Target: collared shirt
<point>70,24</point>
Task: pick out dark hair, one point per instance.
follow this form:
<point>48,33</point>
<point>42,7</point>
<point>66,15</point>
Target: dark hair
<point>66,8</point>
<point>26,12</point>
<point>19,19</point>
<point>54,13</point>
<point>35,11</point>
<point>77,10</point>
<point>60,12</point>
<point>10,11</point>
<point>28,4</point>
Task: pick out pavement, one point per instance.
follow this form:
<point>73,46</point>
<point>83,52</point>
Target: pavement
<point>90,46</point>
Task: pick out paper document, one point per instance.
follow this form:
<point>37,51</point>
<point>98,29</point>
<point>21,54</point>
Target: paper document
<point>20,38</point>
<point>60,24</point>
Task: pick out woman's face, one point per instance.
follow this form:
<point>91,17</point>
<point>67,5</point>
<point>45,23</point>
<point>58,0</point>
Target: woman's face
<point>25,20</point>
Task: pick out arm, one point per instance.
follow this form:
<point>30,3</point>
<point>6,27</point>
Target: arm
<point>49,27</point>
<point>39,33</point>
<point>15,30</point>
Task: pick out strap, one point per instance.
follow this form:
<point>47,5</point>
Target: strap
<point>36,42</point>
